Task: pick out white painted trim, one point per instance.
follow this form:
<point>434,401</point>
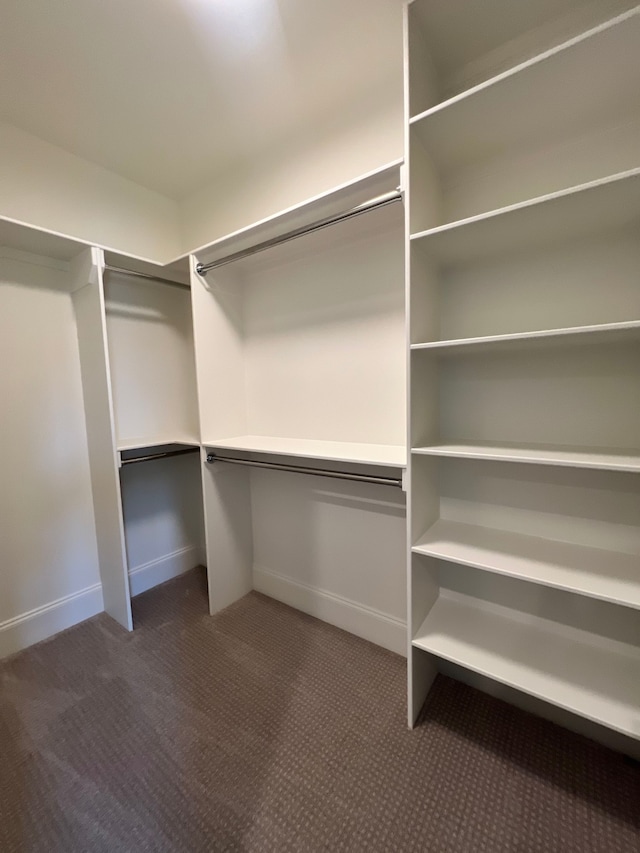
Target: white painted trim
<point>366,622</point>
<point>148,575</point>
<point>43,622</point>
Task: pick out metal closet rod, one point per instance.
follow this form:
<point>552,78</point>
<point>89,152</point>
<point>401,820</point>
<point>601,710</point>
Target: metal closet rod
<point>162,455</point>
<point>147,276</point>
<point>314,472</point>
<point>365,207</point>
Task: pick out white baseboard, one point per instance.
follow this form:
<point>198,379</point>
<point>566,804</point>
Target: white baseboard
<point>373,625</point>
<point>43,622</point>
<point>148,575</point>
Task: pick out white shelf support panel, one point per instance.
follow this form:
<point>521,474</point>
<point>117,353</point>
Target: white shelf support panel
<point>89,306</point>
<point>607,575</point>
<point>581,672</point>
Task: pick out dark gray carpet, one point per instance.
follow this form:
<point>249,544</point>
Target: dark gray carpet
<point>265,730</point>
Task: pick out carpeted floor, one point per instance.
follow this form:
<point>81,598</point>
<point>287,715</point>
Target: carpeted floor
<point>265,730</point>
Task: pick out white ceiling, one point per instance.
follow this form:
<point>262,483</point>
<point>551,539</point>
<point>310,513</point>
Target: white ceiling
<point>168,93</point>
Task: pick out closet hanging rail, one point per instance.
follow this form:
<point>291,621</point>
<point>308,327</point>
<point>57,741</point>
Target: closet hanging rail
<point>300,469</point>
<point>147,276</point>
<point>162,455</point>
<point>365,207</point>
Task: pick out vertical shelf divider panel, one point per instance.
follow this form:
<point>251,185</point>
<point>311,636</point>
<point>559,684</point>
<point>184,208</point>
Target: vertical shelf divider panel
<point>89,306</point>
<point>420,85</point>
<point>217,304</point>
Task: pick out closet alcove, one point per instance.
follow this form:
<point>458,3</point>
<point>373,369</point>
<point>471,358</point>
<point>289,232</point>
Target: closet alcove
<point>152,368</point>
<point>301,363</point>
<point>136,352</point>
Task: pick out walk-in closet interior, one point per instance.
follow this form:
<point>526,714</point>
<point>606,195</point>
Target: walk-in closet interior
<point>395,386</point>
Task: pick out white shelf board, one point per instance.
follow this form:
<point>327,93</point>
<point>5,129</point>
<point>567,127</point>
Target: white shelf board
<point>532,100</point>
<point>598,334</point>
<point>336,200</point>
<point>583,673</point>
<point>595,207</point>
<point>155,441</point>
<point>607,575</point>
<point>607,459</point>
<point>388,455</point>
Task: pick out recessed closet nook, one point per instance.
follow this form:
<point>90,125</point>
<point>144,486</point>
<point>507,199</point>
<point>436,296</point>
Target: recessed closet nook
<point>409,405</point>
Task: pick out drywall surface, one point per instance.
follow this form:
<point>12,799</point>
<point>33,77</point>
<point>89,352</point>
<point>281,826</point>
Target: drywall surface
<point>150,334</point>
<point>318,159</point>
<point>49,575</point>
<point>163,519</point>
<point>333,549</point>
<point>49,188</point>
<point>324,332</point>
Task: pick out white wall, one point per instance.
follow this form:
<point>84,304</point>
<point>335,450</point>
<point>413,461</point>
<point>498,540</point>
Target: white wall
<point>334,549</point>
<point>47,187</point>
<point>318,159</point>
<point>163,519</point>
<point>48,553</point>
<point>150,336</point>
<point>324,332</point>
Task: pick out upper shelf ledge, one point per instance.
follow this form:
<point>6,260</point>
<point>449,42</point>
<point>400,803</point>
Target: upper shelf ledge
<point>387,455</point>
<point>333,201</point>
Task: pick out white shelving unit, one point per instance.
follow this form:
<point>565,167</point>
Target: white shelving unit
<point>536,130</point>
<point>149,335</point>
<point>523,247</point>
<point>577,211</point>
<point>300,352</point>
<point>609,575</point>
<point>596,678</point>
<point>537,100</point>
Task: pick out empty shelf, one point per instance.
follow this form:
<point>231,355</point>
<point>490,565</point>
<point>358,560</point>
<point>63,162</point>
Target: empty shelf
<point>389,455</point>
<point>606,459</point>
<point>597,334</point>
<point>155,441</point>
<point>584,673</point>
<point>593,208</point>
<point>532,101</point>
<point>608,575</point>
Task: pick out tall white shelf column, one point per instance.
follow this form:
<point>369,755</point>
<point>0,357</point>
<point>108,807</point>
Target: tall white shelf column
<point>522,248</point>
